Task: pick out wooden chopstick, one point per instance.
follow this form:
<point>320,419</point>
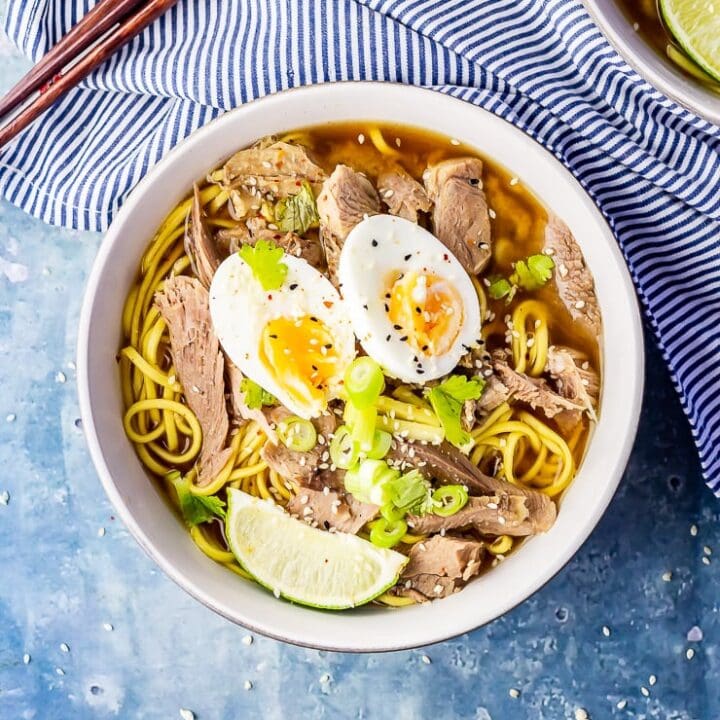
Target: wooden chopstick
<point>92,26</point>
<point>65,65</point>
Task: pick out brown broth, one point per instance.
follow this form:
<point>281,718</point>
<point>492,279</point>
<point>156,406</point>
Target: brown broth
<point>645,14</point>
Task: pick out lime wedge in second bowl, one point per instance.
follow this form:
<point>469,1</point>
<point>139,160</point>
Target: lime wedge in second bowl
<point>304,564</point>
<point>695,24</point>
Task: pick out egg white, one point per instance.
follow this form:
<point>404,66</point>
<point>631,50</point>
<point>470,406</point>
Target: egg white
<point>240,309</point>
<point>378,246</point>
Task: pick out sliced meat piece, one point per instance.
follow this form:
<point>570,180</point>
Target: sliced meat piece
<point>574,281</point>
<point>307,247</point>
<point>448,465</point>
<point>440,566</point>
<point>199,244</point>
<point>494,394</point>
<point>534,391</point>
<point>184,304</point>
<point>574,378</point>
<point>230,240</point>
<point>500,514</point>
<point>460,217</point>
<point>239,411</point>
<point>404,196</point>
<point>304,468</point>
<point>331,510</point>
<point>346,198</point>
<point>468,414</point>
<point>270,171</point>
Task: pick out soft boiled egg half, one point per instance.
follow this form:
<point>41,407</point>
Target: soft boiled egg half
<point>412,305</point>
<point>296,342</point>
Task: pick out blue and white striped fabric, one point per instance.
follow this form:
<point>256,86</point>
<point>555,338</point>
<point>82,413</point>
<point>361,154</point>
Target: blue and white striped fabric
<point>652,167</point>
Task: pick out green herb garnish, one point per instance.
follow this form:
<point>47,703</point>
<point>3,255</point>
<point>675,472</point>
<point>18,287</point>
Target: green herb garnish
<point>499,287</point>
<point>265,260</point>
<point>196,509</point>
<point>256,396</point>
<point>298,212</point>
<point>532,273</point>
<point>447,400</point>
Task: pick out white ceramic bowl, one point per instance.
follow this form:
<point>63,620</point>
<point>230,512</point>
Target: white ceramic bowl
<point>139,502</point>
<point>655,67</point>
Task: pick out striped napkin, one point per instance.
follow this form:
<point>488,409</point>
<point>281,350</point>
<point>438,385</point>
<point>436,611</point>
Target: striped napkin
<point>652,167</point>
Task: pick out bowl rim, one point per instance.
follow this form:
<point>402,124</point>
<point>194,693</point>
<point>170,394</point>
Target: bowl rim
<point>650,64</point>
<point>635,369</point>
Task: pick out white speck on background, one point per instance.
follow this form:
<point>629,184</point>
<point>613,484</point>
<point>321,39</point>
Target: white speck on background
<point>581,714</point>
<point>108,627</point>
<point>187,714</point>
<point>689,653</point>
<point>644,691</point>
<point>621,705</point>
<point>247,640</point>
<point>248,685</point>
<point>606,631</point>
<point>652,680</point>
<point>4,497</point>
<point>60,377</point>
<point>59,671</point>
<point>667,576</point>
<point>64,647</point>
<point>104,692</point>
<point>14,272</point>
<point>27,658</point>
<point>101,532</point>
<point>514,693</point>
<point>426,659</point>
<point>11,417</point>
<point>693,530</point>
<point>695,634</point>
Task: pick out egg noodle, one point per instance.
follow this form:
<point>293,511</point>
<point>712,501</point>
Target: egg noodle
<point>167,435</point>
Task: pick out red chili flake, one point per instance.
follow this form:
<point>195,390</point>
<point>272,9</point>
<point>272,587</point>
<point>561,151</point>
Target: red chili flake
<point>298,183</point>
<point>277,237</point>
<point>269,297</point>
<point>328,303</point>
<point>446,257</point>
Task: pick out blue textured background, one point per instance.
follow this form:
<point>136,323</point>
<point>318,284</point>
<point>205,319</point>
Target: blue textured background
<point>90,629</point>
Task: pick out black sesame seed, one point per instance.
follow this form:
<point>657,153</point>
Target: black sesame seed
<point>326,524</point>
<point>424,348</point>
<point>408,256</point>
<point>418,310</point>
<point>274,337</point>
<point>294,286</point>
<point>374,243</point>
<point>365,306</point>
<point>387,308</point>
<point>388,296</point>
<point>397,327</point>
<point>314,367</point>
<point>387,338</point>
<point>420,371</point>
<point>328,346</point>
<point>404,338</point>
<point>314,319</point>
<point>474,181</point>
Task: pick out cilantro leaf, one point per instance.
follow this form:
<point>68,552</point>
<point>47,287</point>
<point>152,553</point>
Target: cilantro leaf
<point>196,509</point>
<point>447,400</point>
<point>264,259</point>
<point>298,212</point>
<point>533,273</point>
<point>499,287</point>
<point>256,396</point>
<point>410,493</point>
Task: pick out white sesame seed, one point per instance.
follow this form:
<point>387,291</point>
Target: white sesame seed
<point>581,714</point>
<point>636,26</point>
<point>247,640</point>
<point>59,671</point>
<point>304,499</point>
<point>621,704</point>
<point>64,647</point>
<point>325,678</point>
<point>101,532</point>
<point>514,181</point>
<point>514,693</point>
<point>108,627</point>
<point>453,141</point>
<point>187,714</point>
<point>706,560</point>
<point>438,589</point>
<point>426,659</point>
<point>707,550</point>
<point>60,377</point>
<point>667,576</point>
<point>26,658</point>
<point>606,631</point>
<point>689,653</point>
<point>580,304</point>
<point>693,530</point>
<point>652,680</point>
<point>492,213</point>
<point>4,497</point>
<point>248,685</point>
<point>71,365</point>
<point>695,634</point>
<point>10,418</point>
<point>644,691</point>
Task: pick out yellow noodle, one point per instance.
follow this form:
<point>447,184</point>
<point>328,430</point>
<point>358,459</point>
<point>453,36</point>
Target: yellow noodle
<point>279,485</point>
<point>394,600</point>
<point>128,310</point>
<point>379,142</point>
<point>211,549</point>
<point>262,485</point>
<point>248,471</point>
<point>530,357</point>
<point>221,222</point>
<point>238,570</point>
<point>180,265</point>
<point>152,371</point>
<point>482,297</point>
<point>501,546</point>
<point>217,202</point>
<point>218,482</point>
<point>499,414</point>
<point>409,539</point>
<point>153,465</point>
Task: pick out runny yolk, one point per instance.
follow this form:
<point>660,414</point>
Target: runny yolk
<point>300,354</point>
<point>427,309</point>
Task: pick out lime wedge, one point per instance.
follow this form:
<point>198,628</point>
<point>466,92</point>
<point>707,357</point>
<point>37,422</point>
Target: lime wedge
<point>695,25</point>
<point>303,564</point>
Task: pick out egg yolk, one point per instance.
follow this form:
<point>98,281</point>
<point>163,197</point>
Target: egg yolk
<point>299,353</point>
<point>426,309</point>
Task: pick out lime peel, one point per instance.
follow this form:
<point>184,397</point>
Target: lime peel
<point>303,564</point>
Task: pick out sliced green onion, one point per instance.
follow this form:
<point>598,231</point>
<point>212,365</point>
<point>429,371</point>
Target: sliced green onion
<point>297,434</point>
<point>392,513</point>
<point>411,430</point>
<point>344,450</point>
<point>381,445</point>
<point>449,499</point>
<point>410,493</point>
<point>364,381</point>
<point>368,481</point>
<point>362,428</point>
<point>386,534</point>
